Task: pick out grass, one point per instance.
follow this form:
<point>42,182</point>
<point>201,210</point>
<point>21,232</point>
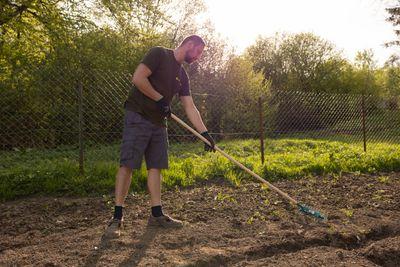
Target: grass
<point>56,172</point>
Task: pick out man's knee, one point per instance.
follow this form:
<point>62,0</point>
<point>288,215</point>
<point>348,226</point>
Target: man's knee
<point>125,171</point>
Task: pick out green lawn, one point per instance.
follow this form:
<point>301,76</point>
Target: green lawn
<point>56,172</point>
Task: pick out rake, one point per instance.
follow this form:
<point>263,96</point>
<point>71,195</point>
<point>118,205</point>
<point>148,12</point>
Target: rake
<point>302,207</point>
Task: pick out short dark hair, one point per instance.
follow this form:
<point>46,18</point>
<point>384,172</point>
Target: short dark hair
<point>197,40</point>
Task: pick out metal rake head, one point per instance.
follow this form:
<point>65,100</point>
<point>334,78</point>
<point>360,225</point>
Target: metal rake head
<point>309,211</point>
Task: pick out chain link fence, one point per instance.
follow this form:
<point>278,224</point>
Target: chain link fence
<point>67,112</point>
<point>347,117</point>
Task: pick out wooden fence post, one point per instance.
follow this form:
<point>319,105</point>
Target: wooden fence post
<point>363,122</point>
<point>260,108</point>
<point>81,141</point>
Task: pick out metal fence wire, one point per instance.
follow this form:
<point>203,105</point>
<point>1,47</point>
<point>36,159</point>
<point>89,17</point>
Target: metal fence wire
<point>60,110</point>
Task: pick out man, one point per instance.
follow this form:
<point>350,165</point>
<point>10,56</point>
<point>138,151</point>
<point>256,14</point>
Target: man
<point>156,80</point>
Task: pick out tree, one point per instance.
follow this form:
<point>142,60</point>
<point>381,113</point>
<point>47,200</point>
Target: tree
<point>266,56</point>
<point>394,19</point>
<point>46,46</point>
<point>28,29</point>
<point>182,16</point>
<point>305,55</point>
<point>389,80</point>
<point>242,81</point>
<point>242,89</point>
<point>300,62</point>
<point>365,66</point>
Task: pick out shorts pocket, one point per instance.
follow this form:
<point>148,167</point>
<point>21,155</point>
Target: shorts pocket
<point>132,118</point>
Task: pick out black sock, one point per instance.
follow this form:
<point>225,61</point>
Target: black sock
<point>156,211</point>
<point>118,212</point>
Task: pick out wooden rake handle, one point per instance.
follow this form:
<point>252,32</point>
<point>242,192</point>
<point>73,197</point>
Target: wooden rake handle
<point>283,194</point>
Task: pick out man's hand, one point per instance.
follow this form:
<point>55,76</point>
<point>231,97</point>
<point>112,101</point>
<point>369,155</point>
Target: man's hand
<point>164,108</point>
<point>207,136</point>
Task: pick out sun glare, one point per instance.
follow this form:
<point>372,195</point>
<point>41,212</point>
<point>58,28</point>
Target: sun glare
<point>352,25</point>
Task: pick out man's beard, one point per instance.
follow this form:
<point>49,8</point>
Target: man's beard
<point>188,59</point>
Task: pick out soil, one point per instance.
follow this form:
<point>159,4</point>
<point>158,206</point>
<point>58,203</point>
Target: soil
<point>226,225</point>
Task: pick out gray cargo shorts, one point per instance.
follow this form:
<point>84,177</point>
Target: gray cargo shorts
<point>141,137</point>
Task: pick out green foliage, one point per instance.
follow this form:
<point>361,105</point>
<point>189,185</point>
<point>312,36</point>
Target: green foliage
<point>384,179</point>
<point>348,212</point>
<point>224,197</point>
<point>300,62</point>
<point>305,62</point>
<point>46,46</point>
<point>257,216</point>
<point>50,172</point>
<point>394,19</point>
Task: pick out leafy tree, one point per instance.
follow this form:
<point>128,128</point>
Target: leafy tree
<point>392,68</point>
<point>365,66</point>
<point>394,19</point>
<point>305,57</point>
<point>267,58</point>
<point>302,62</point>
<point>182,22</point>
<point>242,89</point>
<point>242,81</point>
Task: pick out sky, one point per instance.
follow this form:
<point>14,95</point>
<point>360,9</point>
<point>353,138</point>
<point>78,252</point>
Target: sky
<point>352,25</point>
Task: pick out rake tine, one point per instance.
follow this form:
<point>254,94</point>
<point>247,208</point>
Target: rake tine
<point>311,212</point>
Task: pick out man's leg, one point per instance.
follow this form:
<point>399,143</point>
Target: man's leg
<point>154,186</point>
<point>156,156</point>
<point>158,218</point>
<point>135,137</point>
<point>122,184</point>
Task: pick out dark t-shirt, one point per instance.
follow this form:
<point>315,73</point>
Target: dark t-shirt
<point>168,77</point>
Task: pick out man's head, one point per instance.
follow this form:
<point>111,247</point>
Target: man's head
<point>193,46</point>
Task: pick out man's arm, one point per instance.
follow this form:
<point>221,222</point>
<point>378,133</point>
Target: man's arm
<point>192,113</point>
<point>194,116</point>
<point>140,79</point>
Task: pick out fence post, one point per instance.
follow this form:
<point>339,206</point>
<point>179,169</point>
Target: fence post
<point>81,148</point>
<point>261,129</point>
<point>363,122</point>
